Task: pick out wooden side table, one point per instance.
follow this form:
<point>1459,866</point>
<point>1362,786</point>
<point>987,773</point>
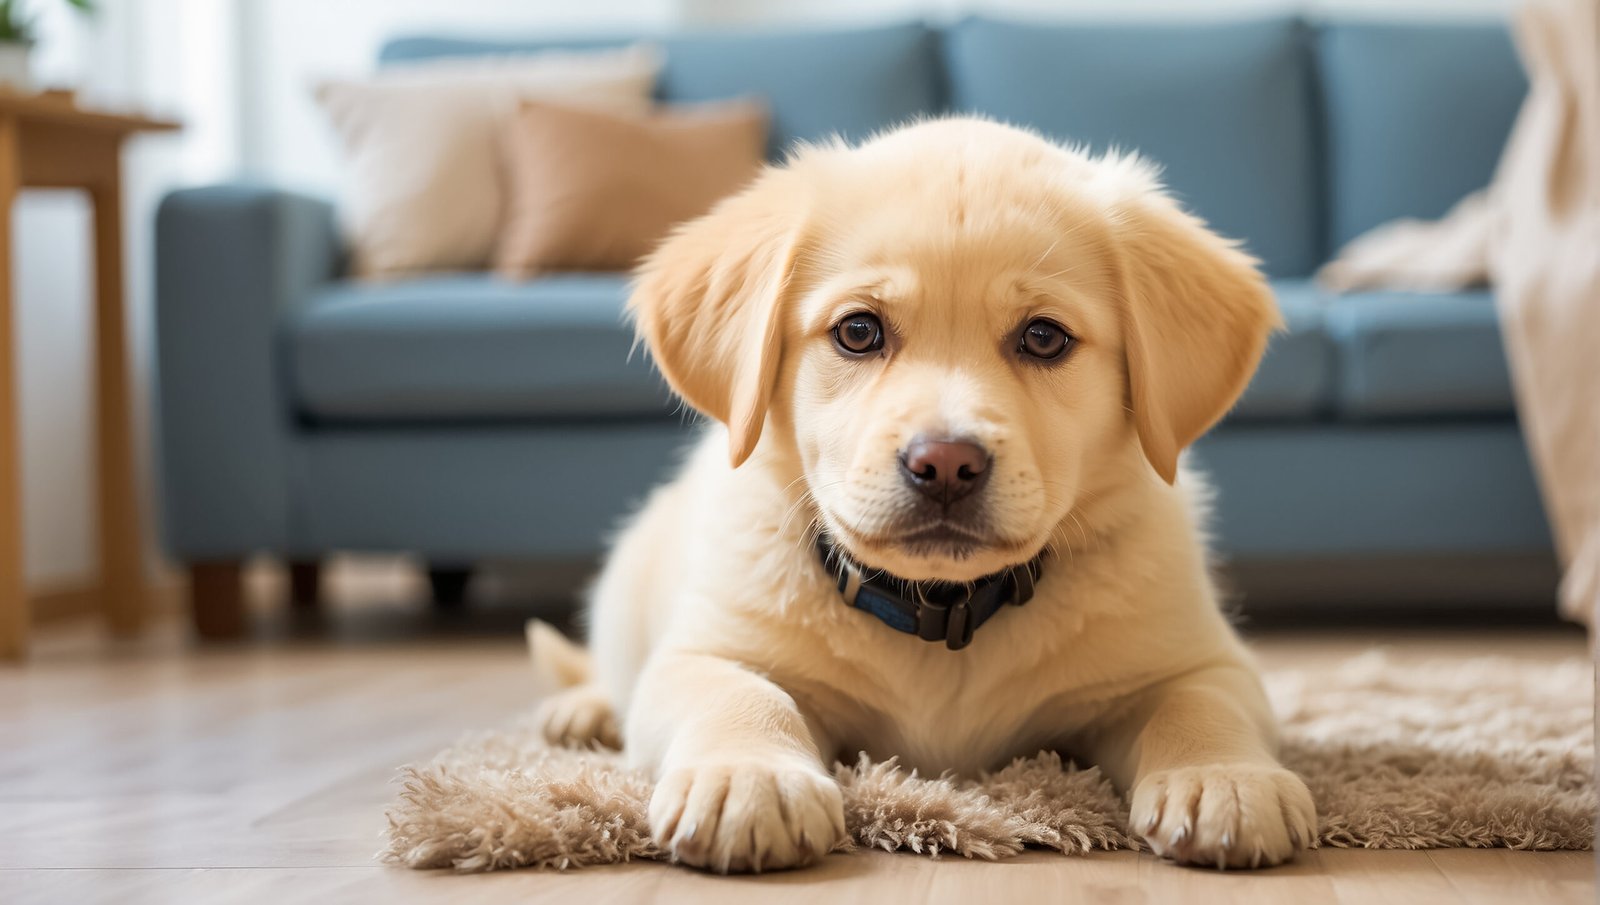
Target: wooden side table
<point>48,142</point>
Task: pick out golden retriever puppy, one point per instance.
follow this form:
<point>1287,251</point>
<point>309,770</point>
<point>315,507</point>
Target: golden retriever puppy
<point>942,515</point>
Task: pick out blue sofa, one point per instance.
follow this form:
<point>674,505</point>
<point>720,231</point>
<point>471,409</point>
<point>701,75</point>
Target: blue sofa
<point>460,417</point>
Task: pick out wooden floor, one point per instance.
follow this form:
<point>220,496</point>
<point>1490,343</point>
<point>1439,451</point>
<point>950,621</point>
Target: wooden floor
<point>158,772</point>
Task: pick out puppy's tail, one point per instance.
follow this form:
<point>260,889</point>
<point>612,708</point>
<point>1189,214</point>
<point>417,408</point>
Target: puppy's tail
<point>558,662</point>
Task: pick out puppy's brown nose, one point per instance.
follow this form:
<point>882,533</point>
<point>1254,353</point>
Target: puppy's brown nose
<point>945,470</point>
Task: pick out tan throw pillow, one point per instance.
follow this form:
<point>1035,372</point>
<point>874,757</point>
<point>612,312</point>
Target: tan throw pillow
<point>597,191</point>
<point>424,180</point>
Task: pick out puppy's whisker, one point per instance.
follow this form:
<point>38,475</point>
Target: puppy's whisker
<point>809,535</point>
<point>790,512</point>
<point>1051,276</point>
<point>804,498</point>
<point>1047,251</point>
<point>789,486</point>
<point>1081,529</point>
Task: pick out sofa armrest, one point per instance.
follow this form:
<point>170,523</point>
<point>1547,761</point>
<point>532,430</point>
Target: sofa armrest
<point>229,261</point>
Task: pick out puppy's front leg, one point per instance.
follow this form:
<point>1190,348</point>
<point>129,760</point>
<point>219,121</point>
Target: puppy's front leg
<point>1198,752</point>
<point>740,783</point>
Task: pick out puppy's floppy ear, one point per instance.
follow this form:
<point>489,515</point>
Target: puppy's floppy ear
<point>1197,316</point>
<point>709,304</point>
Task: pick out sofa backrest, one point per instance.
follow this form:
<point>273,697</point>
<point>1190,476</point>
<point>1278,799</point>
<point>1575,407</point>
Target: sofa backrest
<point>815,83</point>
<point>1291,136</point>
<point>1416,117</point>
<point>1226,109</point>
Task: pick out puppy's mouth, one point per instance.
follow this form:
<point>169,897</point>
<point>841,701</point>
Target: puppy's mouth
<point>943,536</point>
<point>931,541</point>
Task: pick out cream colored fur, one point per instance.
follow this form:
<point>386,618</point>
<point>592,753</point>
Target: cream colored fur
<point>721,647</point>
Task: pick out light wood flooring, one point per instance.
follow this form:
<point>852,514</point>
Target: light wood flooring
<point>159,771</point>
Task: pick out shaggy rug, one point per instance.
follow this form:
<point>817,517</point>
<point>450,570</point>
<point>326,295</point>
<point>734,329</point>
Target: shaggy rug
<point>1477,754</point>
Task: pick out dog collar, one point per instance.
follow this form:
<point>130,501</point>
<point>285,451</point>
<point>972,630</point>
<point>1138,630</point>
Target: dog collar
<point>931,610</point>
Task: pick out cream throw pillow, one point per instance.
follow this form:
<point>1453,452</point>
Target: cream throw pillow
<point>591,190</point>
<point>424,181</point>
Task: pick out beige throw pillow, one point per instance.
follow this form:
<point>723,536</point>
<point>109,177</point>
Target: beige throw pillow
<point>597,191</point>
<point>424,181</point>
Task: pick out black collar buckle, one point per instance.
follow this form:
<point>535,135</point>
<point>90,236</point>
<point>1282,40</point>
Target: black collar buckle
<point>951,624</point>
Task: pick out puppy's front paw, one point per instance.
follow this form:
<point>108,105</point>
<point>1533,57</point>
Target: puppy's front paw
<point>747,815</point>
<point>1227,815</point>
<point>579,717</point>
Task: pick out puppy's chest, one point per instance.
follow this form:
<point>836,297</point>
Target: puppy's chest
<point>938,710</point>
<point>940,733</point>
<point>1031,678</point>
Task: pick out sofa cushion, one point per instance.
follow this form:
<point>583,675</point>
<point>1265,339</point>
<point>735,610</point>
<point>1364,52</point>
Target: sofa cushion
<point>470,347</point>
<point>1296,377</point>
<point>592,190</point>
<point>422,185</point>
<point>1226,109</point>
<point>1416,116</point>
<point>1408,354</point>
<point>816,83</point>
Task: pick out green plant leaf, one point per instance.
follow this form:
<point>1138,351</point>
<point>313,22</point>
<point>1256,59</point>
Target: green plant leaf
<point>15,27</point>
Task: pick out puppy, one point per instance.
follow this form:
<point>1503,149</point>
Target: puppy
<point>941,516</point>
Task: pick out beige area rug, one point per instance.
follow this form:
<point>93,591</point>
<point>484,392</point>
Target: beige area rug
<point>1485,753</point>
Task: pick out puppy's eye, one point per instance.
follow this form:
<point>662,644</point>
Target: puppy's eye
<point>1044,339</point>
<point>858,334</point>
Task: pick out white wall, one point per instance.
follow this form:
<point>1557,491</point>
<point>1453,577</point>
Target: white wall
<point>51,307</point>
<point>136,54</point>
<point>52,335</point>
<point>239,73</point>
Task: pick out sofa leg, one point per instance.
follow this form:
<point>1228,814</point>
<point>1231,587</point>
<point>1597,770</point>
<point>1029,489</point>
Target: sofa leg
<point>216,598</point>
<point>305,584</point>
<point>449,585</point>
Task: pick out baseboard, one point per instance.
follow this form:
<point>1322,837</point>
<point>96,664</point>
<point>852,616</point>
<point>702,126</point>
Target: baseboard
<point>67,600</point>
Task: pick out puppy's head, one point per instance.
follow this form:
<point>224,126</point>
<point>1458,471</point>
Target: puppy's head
<point>962,332</point>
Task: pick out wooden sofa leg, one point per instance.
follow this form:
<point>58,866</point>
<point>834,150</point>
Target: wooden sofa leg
<point>216,598</point>
<point>305,584</point>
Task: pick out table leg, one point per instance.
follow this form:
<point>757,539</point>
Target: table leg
<point>121,549</point>
<point>13,593</point>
